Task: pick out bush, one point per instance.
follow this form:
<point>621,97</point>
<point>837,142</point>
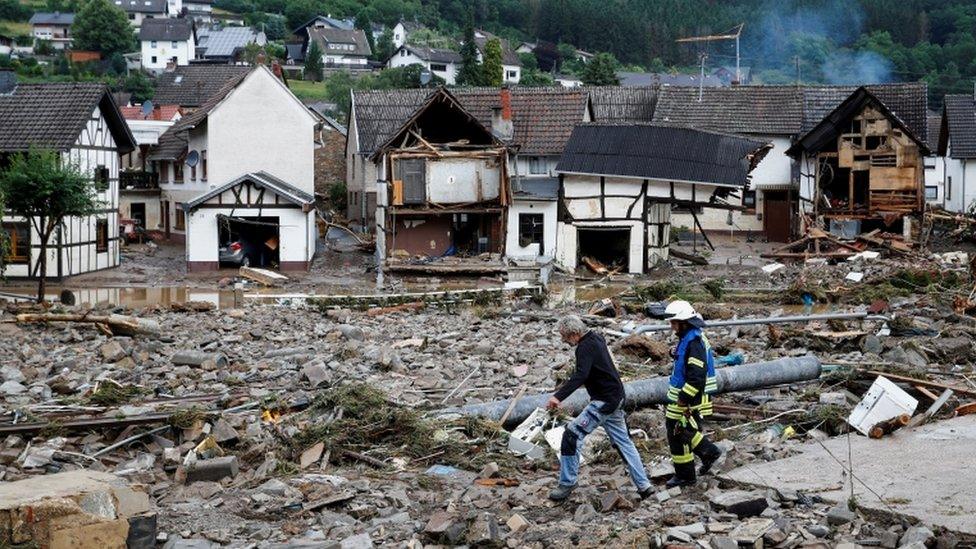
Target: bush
<point>337,196</point>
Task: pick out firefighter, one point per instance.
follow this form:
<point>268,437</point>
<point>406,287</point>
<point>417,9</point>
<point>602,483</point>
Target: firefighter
<point>692,382</point>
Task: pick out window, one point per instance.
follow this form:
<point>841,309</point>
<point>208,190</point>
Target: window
<point>178,171</point>
<point>403,53</point>
<point>530,230</point>
<point>749,199</point>
<point>931,192</point>
<point>537,165</point>
<point>101,235</point>
<point>948,188</point>
<point>152,44</point>
<point>19,236</point>
<point>101,178</point>
<point>439,67</point>
<point>930,166</point>
<point>172,44</point>
<point>153,58</point>
<point>193,172</point>
<point>413,173</point>
<point>203,164</point>
<point>512,75</point>
<point>180,222</point>
<point>132,16</point>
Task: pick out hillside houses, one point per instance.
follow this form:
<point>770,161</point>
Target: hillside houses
<point>167,43</point>
<point>54,27</point>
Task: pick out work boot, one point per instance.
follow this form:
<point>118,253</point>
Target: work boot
<point>677,481</point>
<point>707,463</point>
<point>646,492</point>
<point>561,492</point>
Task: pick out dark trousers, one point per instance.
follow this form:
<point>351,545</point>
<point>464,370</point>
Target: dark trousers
<point>686,440</point>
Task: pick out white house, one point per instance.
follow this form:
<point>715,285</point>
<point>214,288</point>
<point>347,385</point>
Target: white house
<point>82,124</point>
<point>237,140</point>
<point>935,164</point>
<point>340,48</point>
<point>53,27</point>
<point>225,44</point>
<point>139,10</point>
<point>440,62</point>
<point>957,147</point>
<point>138,187</point>
<point>402,30</point>
<point>511,65</point>
<point>200,10</point>
<point>620,182</point>
<point>167,43</point>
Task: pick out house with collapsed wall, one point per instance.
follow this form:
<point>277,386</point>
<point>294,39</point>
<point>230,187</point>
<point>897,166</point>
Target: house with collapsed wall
<point>80,122</point>
<point>864,164</point>
<point>619,184</point>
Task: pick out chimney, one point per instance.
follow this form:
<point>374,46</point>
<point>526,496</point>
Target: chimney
<point>501,117</point>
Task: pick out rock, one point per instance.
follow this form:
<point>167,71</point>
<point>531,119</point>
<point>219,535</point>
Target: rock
<point>722,542</point>
<point>913,545</point>
<point>662,496</point>
<point>696,529</point>
<point>350,332</point>
<point>311,455</point>
<point>740,502</point>
<point>675,534</point>
<point>916,534</point>
<point>489,471</point>
<point>751,531</point>
<point>112,351</point>
<point>223,433</point>
<point>871,344</point>
<point>839,515</point>
<point>584,513</point>
<point>484,531</point>
<point>837,399</point>
<point>642,346</point>
<point>516,523</point>
<point>359,541</point>
<point>609,501</point>
<point>889,539</point>
<point>953,349</point>
<point>10,373</point>
<point>438,523</point>
<point>212,469</point>
<point>775,536</point>
<point>11,388</point>
<point>316,373</point>
<point>818,530</point>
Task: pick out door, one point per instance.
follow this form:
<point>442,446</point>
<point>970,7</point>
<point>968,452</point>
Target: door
<point>777,215</point>
<point>165,205</point>
<point>137,211</point>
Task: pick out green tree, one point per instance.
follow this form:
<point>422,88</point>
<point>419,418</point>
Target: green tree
<point>274,28</point>
<point>601,71</point>
<point>384,46</point>
<point>39,186</point>
<point>365,23</point>
<point>470,73</point>
<point>535,77</point>
<point>103,27</point>
<point>140,86</point>
<point>314,65</point>
<point>492,66</point>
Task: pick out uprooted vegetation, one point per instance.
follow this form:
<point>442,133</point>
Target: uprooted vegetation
<point>901,283</point>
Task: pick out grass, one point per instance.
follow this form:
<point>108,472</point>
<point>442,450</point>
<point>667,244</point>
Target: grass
<point>308,90</point>
<point>14,28</point>
<point>111,394</point>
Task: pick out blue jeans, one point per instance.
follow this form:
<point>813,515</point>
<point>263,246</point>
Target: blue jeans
<point>615,424</point>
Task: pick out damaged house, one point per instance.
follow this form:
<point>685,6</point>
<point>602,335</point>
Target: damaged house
<point>863,161</point>
<point>619,184</point>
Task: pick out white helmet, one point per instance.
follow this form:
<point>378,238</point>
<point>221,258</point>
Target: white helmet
<point>680,310</point>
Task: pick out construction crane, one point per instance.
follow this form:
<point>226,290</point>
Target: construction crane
<point>732,34</point>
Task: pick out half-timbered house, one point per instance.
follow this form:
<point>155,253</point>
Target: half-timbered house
<point>81,122</point>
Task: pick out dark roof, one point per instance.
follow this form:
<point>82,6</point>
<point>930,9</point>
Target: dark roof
<point>226,42</point>
<point>538,188</point>
<point>543,117</point>
<point>295,52</point>
<point>509,57</point>
<point>8,81</point>
<point>763,110</point>
<point>192,85</point>
<point>165,28</point>
<point>56,18</point>
<point>623,105</point>
<point>934,129</point>
<point>332,22</point>
<point>52,116</point>
<point>908,101</point>
<point>325,36</point>
<point>432,55</point>
<point>959,126</point>
<point>142,6</point>
<point>662,153</point>
<point>281,188</point>
<point>665,79</point>
<point>837,120</point>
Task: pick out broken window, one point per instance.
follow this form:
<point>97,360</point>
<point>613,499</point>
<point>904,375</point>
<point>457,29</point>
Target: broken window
<point>749,199</point>
<point>18,235</point>
<point>413,175</point>
<point>530,230</point>
<point>101,235</point>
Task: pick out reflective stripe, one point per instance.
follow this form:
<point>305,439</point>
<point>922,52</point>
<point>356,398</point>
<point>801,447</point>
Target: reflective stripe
<point>683,458</point>
<point>696,361</point>
<point>689,390</point>
<point>696,440</point>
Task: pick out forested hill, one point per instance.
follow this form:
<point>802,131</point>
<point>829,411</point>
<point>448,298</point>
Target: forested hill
<point>840,41</point>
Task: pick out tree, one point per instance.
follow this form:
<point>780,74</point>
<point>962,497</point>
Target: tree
<point>39,186</point>
<point>365,24</point>
<point>101,26</point>
<point>140,86</point>
<point>601,71</point>
<point>384,46</point>
<point>274,28</point>
<point>314,66</point>
<point>470,73</point>
<point>492,66</point>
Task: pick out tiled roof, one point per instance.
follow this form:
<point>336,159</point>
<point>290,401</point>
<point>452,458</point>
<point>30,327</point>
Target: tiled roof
<point>295,53</point>
<point>159,112</point>
<point>761,110</point>
<point>53,115</point>
<point>960,119</point>
<point>8,81</point>
<point>55,18</point>
<point>355,37</point>
<point>543,118</point>
<point>623,105</point>
<point>433,55</point>
<point>908,101</point>
<point>142,6</point>
<point>165,28</point>
<point>509,57</point>
<point>934,129</point>
<point>192,85</point>
<point>665,79</point>
<point>657,152</point>
<point>227,41</point>
<point>280,187</point>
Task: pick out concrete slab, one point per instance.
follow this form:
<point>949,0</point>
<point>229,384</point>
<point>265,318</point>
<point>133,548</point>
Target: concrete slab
<point>924,472</point>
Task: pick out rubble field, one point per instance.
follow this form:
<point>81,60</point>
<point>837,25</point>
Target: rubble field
<point>303,424</point>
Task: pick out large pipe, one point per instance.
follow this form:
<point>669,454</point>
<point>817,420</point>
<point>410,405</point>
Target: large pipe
<point>646,392</point>
<point>768,320</point>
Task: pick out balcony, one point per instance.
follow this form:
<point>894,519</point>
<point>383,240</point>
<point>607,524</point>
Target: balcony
<point>138,181</point>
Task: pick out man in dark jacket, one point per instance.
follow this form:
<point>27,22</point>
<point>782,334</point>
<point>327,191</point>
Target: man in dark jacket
<point>595,371</point>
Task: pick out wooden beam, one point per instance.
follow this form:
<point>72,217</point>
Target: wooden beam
<point>935,384</point>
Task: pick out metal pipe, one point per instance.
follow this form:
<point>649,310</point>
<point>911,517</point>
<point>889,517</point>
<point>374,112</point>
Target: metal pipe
<point>769,320</point>
<point>651,391</point>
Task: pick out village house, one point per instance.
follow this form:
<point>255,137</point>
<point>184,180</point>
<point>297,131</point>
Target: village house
<point>442,63</point>
<point>6,44</point>
<point>226,44</point>
<point>192,86</point>
<point>619,183</point>
<point>223,182</point>
<point>957,147</point>
<point>200,10</point>
<point>402,31</point>
<point>80,122</point>
<point>340,48</point>
<point>935,163</point>
<point>167,43</point>
<point>511,64</point>
<point>139,187</point>
<point>139,10</point>
<point>53,27</point>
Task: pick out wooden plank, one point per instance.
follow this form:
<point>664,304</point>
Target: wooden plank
<point>932,396</point>
<point>263,276</point>
<point>913,381</point>
<point>933,409</point>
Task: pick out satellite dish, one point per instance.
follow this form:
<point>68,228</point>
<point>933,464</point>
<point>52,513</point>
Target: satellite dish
<point>192,159</point>
<point>147,108</point>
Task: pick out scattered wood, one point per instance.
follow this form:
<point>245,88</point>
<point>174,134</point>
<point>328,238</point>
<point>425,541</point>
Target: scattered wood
<point>334,499</point>
<point>263,276</point>
<point>923,382</point>
<point>966,409</point>
<point>364,458</point>
<point>506,482</point>
<point>933,409</point>
<point>511,405</point>
<point>121,325</point>
<point>691,258</point>
<point>403,308</point>
<point>889,426</point>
